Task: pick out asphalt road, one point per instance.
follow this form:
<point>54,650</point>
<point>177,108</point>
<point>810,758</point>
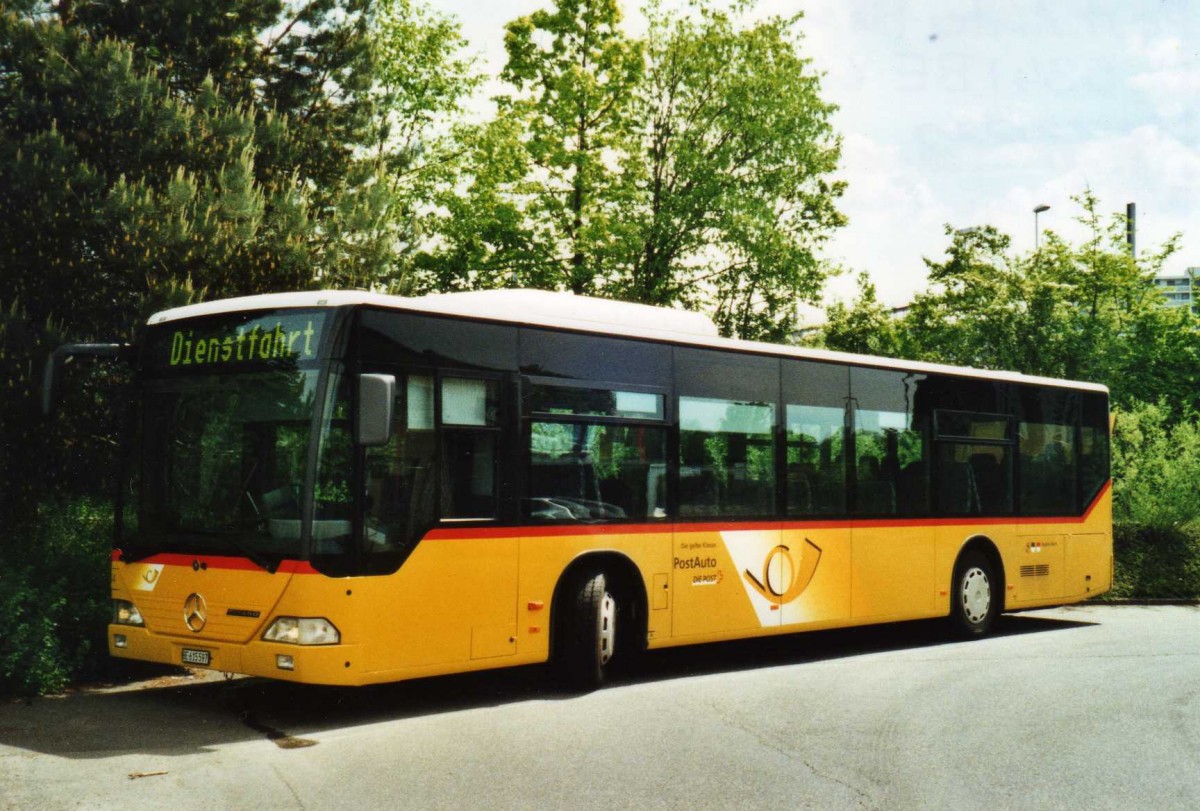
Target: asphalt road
<point>1090,707</point>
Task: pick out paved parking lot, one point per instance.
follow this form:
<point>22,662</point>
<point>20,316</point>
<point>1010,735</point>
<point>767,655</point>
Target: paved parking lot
<point>1093,706</point>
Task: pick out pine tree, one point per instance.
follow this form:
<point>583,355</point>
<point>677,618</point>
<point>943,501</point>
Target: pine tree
<point>203,148</point>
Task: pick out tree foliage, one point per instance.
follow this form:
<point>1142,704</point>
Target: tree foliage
<point>248,146</point>
<point>1158,455</point>
<point>54,597</point>
<point>574,75</point>
<point>863,326</point>
<point>1156,540</point>
<point>1081,312</point>
<point>740,155</point>
<point>152,153</point>
<point>691,168</point>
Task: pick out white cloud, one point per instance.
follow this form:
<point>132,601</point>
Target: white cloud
<point>1161,52</point>
<point>895,219</point>
<point>1173,91</point>
<point>1170,77</point>
<point>1024,132</point>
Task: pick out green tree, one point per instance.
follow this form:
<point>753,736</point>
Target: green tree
<point>1156,464</point>
<point>1085,312</point>
<point>421,79</point>
<point>225,146</point>
<point>740,153</point>
<point>574,74</point>
<point>864,326</point>
<point>247,146</point>
<point>482,237</point>
<point>690,169</point>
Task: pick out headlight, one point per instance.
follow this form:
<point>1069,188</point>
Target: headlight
<point>126,613</point>
<point>302,631</point>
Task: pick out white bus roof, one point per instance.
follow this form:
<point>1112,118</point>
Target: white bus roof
<point>568,311</point>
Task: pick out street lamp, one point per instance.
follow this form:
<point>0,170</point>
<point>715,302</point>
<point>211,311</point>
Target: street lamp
<point>1037,235</point>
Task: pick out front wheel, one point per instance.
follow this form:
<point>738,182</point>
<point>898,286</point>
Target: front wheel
<point>976,598</point>
<point>589,633</point>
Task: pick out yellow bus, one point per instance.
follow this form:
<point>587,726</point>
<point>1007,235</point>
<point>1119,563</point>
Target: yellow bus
<point>350,488</point>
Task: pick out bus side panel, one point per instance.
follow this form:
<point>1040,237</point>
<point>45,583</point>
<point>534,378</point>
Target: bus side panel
<point>452,601</point>
<point>894,571</point>
<point>815,584</point>
<point>712,596</point>
<point>1035,567</point>
<point>950,543</point>
<point>1062,561</point>
<point>1088,566</point>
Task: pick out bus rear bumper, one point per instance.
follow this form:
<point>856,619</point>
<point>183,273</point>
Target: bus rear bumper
<point>312,664</point>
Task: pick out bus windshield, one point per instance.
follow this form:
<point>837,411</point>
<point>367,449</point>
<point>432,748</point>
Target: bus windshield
<point>224,461</point>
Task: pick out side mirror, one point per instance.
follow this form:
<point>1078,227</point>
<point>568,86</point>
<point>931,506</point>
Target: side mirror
<point>66,352</point>
<point>376,404</point>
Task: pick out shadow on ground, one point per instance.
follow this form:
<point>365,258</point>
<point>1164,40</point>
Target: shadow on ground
<point>184,718</point>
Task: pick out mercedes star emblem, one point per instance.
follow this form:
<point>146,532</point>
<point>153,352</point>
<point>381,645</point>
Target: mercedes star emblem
<point>195,613</point>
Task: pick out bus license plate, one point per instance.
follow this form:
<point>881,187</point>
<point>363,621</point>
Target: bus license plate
<point>196,657</point>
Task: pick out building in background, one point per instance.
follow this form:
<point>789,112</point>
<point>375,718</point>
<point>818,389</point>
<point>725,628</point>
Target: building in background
<point>1180,291</point>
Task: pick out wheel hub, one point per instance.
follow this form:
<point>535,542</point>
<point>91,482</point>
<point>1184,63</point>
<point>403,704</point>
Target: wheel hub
<point>976,595</point>
<point>608,627</point>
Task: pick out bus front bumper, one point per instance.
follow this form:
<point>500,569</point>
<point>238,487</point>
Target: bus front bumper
<point>311,664</point>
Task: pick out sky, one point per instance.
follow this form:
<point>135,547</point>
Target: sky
<point>974,113</point>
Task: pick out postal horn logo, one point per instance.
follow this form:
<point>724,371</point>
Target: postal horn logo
<point>195,613</point>
<point>783,578</point>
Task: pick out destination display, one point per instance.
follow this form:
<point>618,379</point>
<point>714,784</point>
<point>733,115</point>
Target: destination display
<point>239,339</point>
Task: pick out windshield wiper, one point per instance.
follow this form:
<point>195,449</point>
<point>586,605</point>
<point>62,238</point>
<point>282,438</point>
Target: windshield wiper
<point>253,554</point>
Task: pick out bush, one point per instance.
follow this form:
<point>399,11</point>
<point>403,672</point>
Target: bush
<point>1155,563</point>
<point>1156,468</point>
<point>55,598</point>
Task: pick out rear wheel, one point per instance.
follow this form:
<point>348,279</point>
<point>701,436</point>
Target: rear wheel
<point>975,598</point>
<point>589,634</point>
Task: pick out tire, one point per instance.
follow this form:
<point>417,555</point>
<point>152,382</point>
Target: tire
<point>975,596</point>
<point>589,634</point>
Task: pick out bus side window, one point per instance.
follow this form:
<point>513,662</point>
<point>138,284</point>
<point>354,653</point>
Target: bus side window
<point>470,421</point>
<point>726,464</point>
<point>974,454</point>
<point>400,485</point>
<point>1093,449</point>
<point>595,454</point>
<point>816,460</point>
<point>583,471</point>
<point>1047,451</point>
<point>891,442</point>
